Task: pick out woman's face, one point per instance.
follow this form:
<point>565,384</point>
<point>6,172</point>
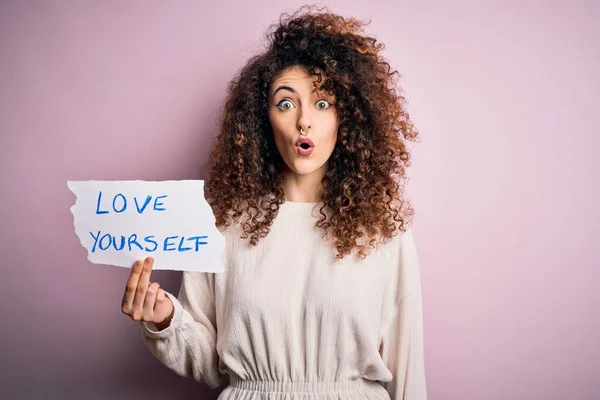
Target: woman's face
<point>294,104</point>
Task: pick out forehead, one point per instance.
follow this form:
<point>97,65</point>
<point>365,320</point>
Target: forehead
<point>297,77</point>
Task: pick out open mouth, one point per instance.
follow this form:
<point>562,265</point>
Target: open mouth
<point>305,146</point>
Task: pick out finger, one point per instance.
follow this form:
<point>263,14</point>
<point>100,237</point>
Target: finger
<point>148,310</point>
<point>131,286</point>
<point>161,296</point>
<point>142,286</point>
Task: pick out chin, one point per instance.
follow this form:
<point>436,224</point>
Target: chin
<point>303,168</point>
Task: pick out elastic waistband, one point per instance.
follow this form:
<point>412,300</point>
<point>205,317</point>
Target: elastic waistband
<point>299,387</point>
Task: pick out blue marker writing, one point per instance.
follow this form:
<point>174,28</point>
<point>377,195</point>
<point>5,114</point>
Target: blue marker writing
<point>98,205</point>
<point>141,210</point>
<point>157,204</point>
<point>105,241</point>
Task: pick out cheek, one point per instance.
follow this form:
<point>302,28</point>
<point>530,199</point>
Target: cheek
<point>275,127</point>
<point>280,135</point>
<point>279,123</point>
<point>333,132</point>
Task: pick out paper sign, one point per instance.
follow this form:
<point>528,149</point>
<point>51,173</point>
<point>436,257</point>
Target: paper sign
<point>119,222</point>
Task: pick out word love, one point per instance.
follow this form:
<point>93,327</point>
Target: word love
<point>119,203</point>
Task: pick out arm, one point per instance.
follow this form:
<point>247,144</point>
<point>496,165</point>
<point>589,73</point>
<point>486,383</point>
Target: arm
<point>402,342</point>
<point>187,345</point>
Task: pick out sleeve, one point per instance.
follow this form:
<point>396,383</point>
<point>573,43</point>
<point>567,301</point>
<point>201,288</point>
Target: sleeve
<point>188,345</point>
<point>402,347</point>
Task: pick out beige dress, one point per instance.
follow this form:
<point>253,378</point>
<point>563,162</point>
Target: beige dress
<point>285,320</point>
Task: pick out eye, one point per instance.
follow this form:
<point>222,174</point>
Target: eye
<point>323,104</point>
<point>282,105</point>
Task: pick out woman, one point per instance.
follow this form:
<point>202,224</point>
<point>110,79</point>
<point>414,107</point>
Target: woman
<point>320,297</point>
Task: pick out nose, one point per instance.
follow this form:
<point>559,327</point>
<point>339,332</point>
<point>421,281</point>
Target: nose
<point>303,129</point>
<point>304,120</point>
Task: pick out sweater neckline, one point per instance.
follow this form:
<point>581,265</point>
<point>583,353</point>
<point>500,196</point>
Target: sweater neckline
<point>300,203</point>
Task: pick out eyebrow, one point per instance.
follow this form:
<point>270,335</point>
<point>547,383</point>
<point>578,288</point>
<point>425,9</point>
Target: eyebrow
<point>282,88</point>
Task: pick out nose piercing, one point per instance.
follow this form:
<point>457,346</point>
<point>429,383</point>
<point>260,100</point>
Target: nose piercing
<point>302,131</point>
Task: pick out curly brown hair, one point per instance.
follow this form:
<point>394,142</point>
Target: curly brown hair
<point>362,190</point>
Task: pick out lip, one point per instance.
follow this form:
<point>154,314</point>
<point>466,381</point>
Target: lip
<point>305,140</point>
<point>305,152</point>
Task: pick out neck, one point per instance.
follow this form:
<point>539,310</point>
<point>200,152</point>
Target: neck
<point>303,188</point>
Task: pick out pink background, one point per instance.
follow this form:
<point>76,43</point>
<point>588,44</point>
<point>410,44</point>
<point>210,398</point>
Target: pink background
<point>505,181</point>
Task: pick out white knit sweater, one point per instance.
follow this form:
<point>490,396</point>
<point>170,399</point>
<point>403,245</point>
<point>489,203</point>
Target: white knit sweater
<point>285,320</point>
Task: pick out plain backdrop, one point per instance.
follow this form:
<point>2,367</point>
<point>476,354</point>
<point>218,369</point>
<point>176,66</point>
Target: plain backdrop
<point>505,181</point>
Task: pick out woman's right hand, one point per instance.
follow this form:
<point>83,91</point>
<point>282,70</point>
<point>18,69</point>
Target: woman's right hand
<point>145,301</point>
